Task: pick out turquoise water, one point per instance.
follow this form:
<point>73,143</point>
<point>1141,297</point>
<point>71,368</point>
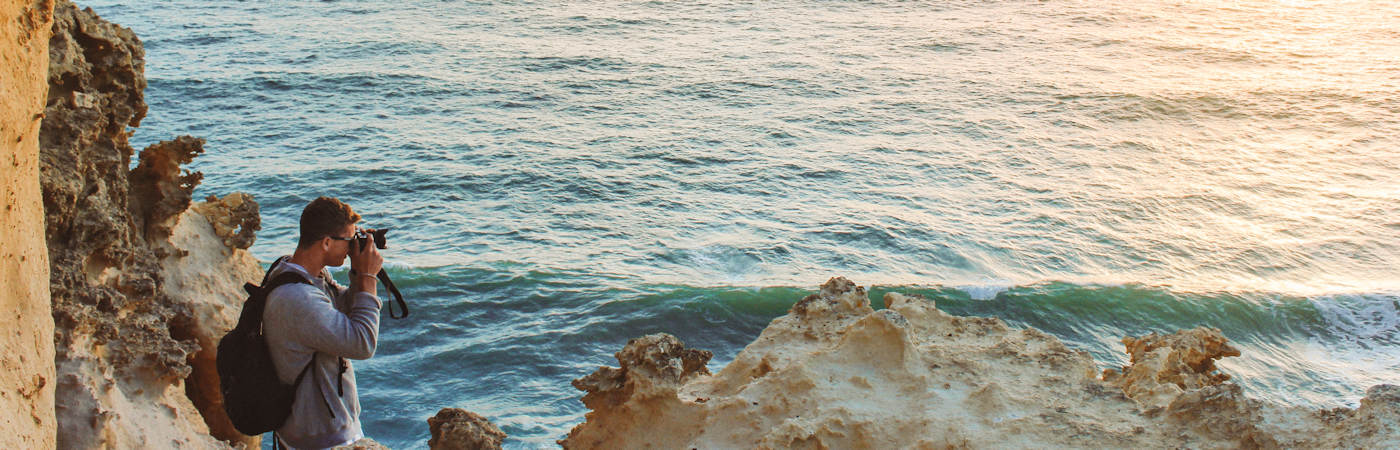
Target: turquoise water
<point>563,177</point>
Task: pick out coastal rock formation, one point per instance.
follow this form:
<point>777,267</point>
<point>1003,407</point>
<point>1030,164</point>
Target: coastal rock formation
<point>204,277</point>
<point>142,286</point>
<point>26,345</point>
<point>459,429</point>
<point>835,373</point>
<point>1161,368</point>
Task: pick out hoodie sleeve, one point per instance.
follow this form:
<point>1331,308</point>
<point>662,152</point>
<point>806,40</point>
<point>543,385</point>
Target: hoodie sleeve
<point>319,325</point>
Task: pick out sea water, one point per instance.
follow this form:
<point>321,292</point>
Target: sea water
<point>563,176</point>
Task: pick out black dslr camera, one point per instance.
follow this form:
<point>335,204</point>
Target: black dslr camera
<point>361,239</point>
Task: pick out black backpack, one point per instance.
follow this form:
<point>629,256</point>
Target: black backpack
<point>254,398</point>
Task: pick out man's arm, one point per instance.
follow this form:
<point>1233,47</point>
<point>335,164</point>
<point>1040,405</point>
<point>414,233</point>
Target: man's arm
<point>319,325</point>
<point>351,334</point>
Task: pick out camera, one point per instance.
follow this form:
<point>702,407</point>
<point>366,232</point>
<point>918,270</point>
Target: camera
<point>362,237</point>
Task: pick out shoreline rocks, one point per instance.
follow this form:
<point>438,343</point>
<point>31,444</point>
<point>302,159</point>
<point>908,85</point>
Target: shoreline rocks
<point>142,284</point>
<point>835,373</point>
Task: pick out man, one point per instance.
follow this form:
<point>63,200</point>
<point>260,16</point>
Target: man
<point>314,328</point>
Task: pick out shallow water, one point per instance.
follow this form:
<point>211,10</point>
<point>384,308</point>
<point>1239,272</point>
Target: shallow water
<point>563,177</point>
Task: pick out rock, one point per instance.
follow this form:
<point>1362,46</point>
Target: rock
<point>160,190</point>
<point>1163,367</point>
<point>141,286</point>
<point>26,346</point>
<point>235,218</point>
<point>204,278</point>
<point>652,369</point>
<point>834,373</point>
<point>459,429</point>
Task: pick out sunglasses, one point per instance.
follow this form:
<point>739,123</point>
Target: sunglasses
<point>358,234</point>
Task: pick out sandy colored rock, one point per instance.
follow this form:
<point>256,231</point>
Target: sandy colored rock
<point>835,373</point>
<point>205,277</point>
<point>26,345</point>
<point>142,286</point>
<point>1163,367</point>
<point>459,429</point>
<point>235,218</point>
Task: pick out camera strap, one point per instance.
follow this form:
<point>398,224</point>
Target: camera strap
<point>398,298</point>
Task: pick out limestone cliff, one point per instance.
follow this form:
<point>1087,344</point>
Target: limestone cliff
<point>26,345</point>
<point>835,373</point>
<point>142,283</point>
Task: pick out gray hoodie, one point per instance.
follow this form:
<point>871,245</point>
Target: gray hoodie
<point>302,321</point>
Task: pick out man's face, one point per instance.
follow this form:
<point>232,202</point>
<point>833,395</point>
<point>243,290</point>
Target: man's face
<point>340,246</point>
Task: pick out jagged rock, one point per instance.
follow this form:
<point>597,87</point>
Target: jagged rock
<point>125,336</point>
<point>235,218</point>
<point>204,278</point>
<point>459,429</point>
<point>651,370</point>
<point>1163,367</point>
<point>834,373</point>
<point>160,190</point>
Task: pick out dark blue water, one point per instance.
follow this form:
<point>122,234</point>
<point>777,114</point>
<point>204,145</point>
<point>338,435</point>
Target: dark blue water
<point>563,177</point>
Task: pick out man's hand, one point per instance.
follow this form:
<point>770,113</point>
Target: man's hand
<point>365,263</point>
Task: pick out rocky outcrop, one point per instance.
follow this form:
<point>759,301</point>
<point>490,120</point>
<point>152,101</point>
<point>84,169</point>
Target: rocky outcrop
<point>26,344</point>
<point>835,373</point>
<point>1161,368</point>
<point>459,429</point>
<point>142,285</point>
<point>204,276</point>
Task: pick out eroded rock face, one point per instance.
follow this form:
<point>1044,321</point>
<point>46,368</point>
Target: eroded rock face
<point>26,343</point>
<point>131,311</point>
<point>834,373</point>
<point>459,429</point>
<point>1163,367</point>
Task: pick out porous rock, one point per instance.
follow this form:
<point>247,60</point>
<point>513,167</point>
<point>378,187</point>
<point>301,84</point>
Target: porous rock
<point>124,338</point>
<point>835,373</point>
<point>1164,366</point>
<point>459,429</point>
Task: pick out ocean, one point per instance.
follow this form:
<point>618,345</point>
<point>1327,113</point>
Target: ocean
<point>560,177</point>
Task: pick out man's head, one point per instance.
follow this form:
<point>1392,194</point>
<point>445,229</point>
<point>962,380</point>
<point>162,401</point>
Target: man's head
<point>327,226</point>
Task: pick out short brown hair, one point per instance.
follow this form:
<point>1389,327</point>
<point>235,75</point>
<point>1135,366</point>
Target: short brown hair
<point>323,217</point>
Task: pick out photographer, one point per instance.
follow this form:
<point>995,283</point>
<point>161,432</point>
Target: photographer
<point>313,329</point>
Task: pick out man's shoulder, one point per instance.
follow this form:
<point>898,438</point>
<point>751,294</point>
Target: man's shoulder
<point>298,290</point>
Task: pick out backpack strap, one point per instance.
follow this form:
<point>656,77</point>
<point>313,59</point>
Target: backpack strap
<point>253,289</point>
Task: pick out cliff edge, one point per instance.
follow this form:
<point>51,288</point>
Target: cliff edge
<point>835,373</point>
<point>142,281</point>
<point>26,345</point>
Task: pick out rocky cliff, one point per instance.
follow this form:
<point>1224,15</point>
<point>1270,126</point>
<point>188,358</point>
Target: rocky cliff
<point>835,373</point>
<point>26,343</point>
<point>142,281</point>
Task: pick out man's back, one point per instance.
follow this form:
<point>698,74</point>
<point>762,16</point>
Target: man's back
<point>304,322</point>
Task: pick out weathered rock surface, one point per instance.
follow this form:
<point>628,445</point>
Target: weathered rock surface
<point>204,277</point>
<point>142,286</point>
<point>835,373</point>
<point>1163,367</point>
<point>26,343</point>
<point>459,429</point>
